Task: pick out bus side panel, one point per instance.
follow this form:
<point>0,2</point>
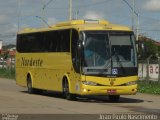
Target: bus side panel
<point>20,77</point>
<point>20,71</point>
<point>74,82</point>
<point>47,69</point>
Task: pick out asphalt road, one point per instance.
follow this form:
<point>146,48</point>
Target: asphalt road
<point>15,100</point>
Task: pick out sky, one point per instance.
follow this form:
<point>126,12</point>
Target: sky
<point>16,15</point>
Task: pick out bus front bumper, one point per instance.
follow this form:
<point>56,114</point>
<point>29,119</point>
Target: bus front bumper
<point>108,90</point>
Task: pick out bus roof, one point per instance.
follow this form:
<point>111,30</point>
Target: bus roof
<point>81,25</point>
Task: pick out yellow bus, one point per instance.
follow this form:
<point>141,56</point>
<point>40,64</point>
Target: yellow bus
<point>78,57</point>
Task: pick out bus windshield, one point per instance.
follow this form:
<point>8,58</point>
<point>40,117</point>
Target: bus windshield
<point>105,51</point>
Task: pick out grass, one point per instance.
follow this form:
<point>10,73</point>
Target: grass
<point>7,73</point>
<point>149,87</point>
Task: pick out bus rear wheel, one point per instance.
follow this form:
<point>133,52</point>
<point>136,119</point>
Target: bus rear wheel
<point>66,93</point>
<point>29,85</point>
<point>114,98</point>
<point>30,88</point>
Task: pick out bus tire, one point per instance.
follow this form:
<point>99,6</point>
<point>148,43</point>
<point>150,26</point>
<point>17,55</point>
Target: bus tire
<point>30,88</point>
<point>114,98</point>
<point>66,93</point>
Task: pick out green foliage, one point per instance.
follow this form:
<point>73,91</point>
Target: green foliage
<point>6,47</point>
<point>150,48</point>
<point>7,73</point>
<point>150,87</point>
<point>159,50</point>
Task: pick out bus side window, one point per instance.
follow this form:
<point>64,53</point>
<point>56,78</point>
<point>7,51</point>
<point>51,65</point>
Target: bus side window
<point>58,38</point>
<point>64,41</point>
<point>50,41</point>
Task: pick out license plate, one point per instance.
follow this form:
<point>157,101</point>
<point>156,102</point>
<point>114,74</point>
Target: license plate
<point>110,91</point>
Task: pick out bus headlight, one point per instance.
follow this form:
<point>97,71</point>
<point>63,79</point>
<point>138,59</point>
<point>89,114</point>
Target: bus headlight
<point>131,83</point>
<point>89,83</point>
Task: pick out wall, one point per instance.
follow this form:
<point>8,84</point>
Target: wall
<point>152,73</point>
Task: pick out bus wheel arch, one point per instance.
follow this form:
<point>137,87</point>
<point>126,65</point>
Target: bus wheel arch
<point>30,86</point>
<point>66,89</point>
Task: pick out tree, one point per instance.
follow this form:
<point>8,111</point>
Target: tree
<point>150,48</point>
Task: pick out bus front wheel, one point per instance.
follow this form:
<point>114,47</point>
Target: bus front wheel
<point>114,98</point>
<point>66,92</point>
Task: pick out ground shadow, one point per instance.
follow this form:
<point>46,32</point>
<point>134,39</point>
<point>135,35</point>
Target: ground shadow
<point>47,94</point>
<point>105,99</point>
<point>89,99</point>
